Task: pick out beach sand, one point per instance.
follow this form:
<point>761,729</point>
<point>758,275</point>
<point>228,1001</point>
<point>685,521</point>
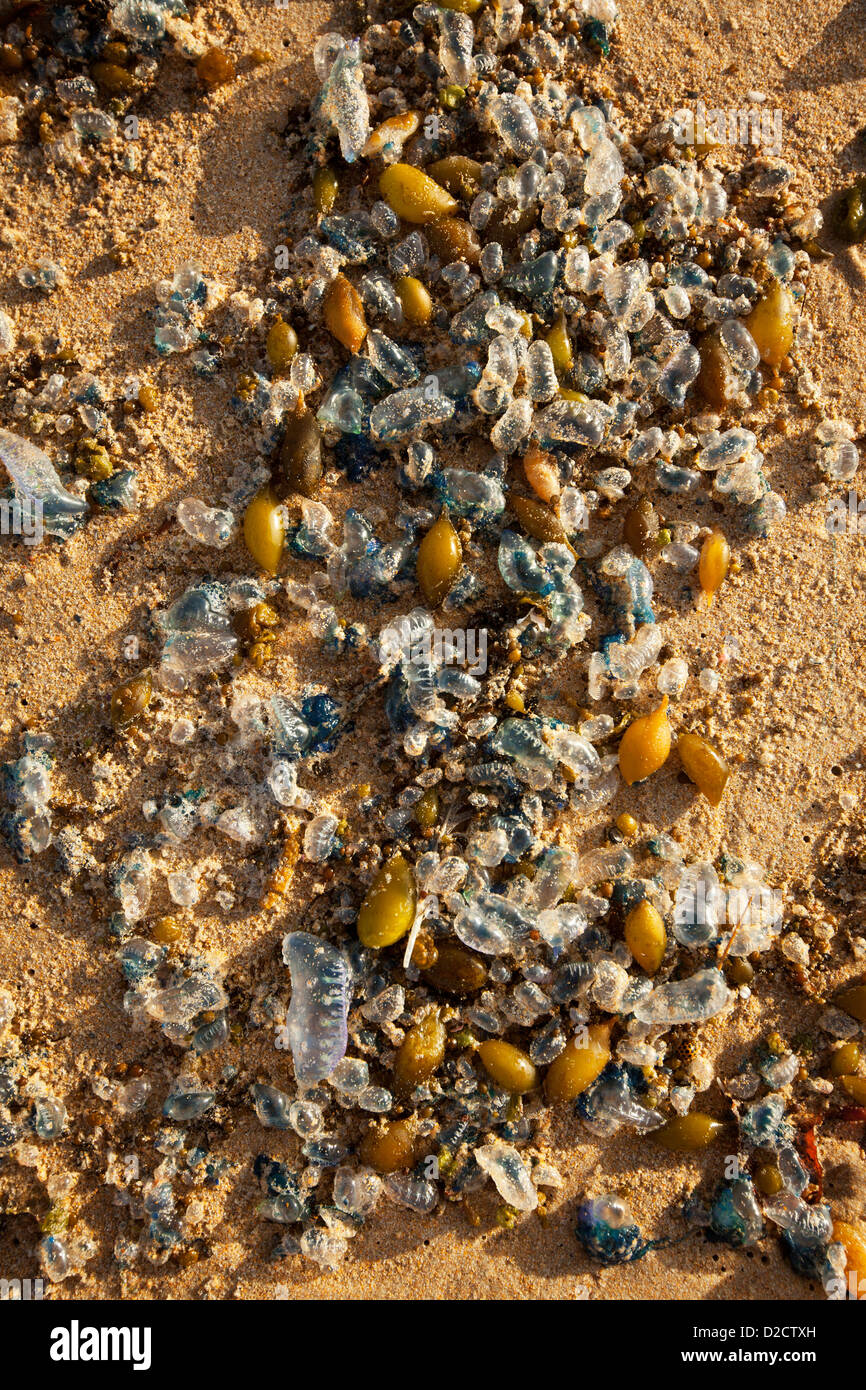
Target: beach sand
<point>216,186</point>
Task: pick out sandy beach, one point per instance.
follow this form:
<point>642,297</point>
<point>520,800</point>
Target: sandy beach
<point>215,182</point>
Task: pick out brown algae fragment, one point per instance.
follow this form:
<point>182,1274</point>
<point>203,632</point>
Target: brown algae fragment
<point>344,313</point>
<point>852,1238</point>
<point>456,970</point>
<point>93,461</point>
<point>641,527</point>
<point>421,1052</point>
<point>440,556</point>
<point>645,936</point>
<point>256,628</point>
<point>645,745</point>
<point>508,1066</point>
<point>851,214</point>
<point>717,381</point>
<point>215,68</point>
<point>714,563</point>
<point>853,1001</point>
<point>300,462</point>
<point>559,342</point>
<point>388,910</point>
<point>583,1060</point>
<point>326,187</point>
<point>846,1060</point>
<point>414,196</point>
<point>130,700</point>
<point>461,177</point>
<point>771,324</point>
<point>768,1180</point>
<point>426,811</point>
<point>280,880</point>
<point>740,972</point>
<point>265,530</point>
<point>688,1133</point>
<point>281,345</point>
<point>505,228</point>
<point>538,521</point>
<point>414,299</point>
<point>392,132</point>
<point>388,1147</point>
<point>704,766</point>
<point>167,930</point>
<point>541,473</point>
<point>11,57</point>
<point>113,78</point>
<point>452,239</point>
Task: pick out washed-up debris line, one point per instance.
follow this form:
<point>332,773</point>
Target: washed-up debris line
<point>529,327</point>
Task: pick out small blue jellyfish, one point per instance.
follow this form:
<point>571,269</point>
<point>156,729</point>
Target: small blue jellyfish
<point>606,1230</point>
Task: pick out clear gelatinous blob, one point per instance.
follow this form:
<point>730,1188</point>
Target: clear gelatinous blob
<point>316,1020</point>
<point>36,483</point>
<point>509,1172</point>
<point>693,1000</point>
